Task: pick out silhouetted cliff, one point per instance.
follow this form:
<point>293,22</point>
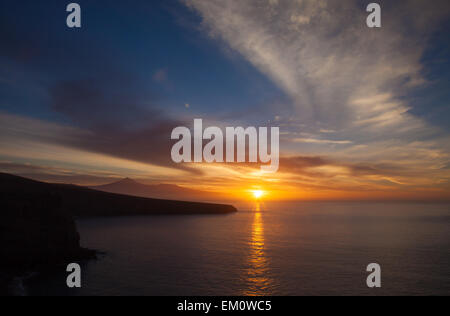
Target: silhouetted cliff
<point>81,201</point>
<point>37,227</point>
<point>35,233</point>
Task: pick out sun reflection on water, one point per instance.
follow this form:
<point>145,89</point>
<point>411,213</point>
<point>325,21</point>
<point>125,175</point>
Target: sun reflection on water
<point>259,283</point>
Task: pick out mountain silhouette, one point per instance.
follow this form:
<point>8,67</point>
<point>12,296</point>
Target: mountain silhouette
<point>131,187</point>
<point>81,201</point>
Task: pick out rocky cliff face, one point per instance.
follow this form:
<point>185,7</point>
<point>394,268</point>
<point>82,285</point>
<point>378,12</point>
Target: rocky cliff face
<point>35,233</point>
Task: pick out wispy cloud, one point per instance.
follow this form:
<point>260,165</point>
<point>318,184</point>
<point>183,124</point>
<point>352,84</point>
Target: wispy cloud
<point>322,141</point>
<point>37,145</point>
<point>343,79</point>
<point>337,71</point>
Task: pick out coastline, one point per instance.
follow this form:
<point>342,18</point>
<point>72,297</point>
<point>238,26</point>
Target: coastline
<point>39,231</point>
<point>13,277</point>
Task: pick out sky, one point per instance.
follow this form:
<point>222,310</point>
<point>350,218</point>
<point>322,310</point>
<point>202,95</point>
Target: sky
<point>363,113</point>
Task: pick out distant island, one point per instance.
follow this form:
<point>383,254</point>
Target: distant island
<point>37,226</point>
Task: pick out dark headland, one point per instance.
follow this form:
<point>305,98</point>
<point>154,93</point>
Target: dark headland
<point>37,226</point>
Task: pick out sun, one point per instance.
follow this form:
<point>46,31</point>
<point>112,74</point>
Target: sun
<point>258,194</point>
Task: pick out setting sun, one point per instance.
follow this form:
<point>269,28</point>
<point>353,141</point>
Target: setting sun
<point>258,194</point>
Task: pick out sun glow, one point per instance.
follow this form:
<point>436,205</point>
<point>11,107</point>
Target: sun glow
<point>258,194</point>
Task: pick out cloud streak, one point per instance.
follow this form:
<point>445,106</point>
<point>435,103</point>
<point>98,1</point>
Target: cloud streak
<point>344,80</point>
<point>337,71</point>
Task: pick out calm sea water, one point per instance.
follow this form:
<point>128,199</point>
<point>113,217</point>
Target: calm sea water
<point>268,249</point>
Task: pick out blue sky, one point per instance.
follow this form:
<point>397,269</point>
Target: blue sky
<point>433,101</point>
<point>129,42</point>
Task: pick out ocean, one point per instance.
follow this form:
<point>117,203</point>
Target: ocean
<point>267,249</point>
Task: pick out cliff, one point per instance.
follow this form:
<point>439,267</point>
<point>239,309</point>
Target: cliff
<point>35,233</point>
<point>84,202</point>
<point>37,229</point>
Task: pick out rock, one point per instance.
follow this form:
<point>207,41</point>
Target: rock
<point>35,233</point>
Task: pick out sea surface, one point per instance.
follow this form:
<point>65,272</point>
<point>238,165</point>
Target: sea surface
<point>268,249</point>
